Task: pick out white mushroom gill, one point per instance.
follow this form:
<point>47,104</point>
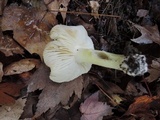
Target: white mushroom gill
<point>71,54</point>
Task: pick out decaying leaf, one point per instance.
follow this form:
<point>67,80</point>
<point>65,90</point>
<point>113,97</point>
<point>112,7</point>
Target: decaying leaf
<point>95,7</point>
<point>149,34</point>
<point>142,106</point>
<point>92,109</point>
<point>12,112</point>
<point>1,71</point>
<point>39,79</point>
<point>21,66</point>
<point>154,70</point>
<point>52,93</point>
<point>58,5</point>
<point>9,46</point>
<point>30,26</point>
<point>8,91</point>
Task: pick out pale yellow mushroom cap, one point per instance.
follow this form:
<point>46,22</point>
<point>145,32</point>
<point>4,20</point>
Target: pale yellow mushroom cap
<point>59,54</point>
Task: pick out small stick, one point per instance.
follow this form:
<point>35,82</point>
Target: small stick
<point>82,13</point>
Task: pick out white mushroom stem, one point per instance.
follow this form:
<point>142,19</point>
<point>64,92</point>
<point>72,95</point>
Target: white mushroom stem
<point>132,65</point>
<point>101,58</point>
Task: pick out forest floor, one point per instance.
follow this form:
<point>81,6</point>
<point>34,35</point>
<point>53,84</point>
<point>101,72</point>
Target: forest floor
<point>118,26</point>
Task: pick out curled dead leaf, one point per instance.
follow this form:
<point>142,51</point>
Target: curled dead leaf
<point>21,66</point>
<point>149,34</point>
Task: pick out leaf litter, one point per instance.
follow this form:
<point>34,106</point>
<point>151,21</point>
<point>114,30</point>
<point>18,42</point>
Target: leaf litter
<point>24,31</point>
<point>53,93</point>
<point>29,30</point>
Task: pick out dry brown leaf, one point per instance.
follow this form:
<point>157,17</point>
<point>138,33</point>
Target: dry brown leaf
<point>154,71</point>
<point>2,5</point>
<point>149,34</point>
<point>141,104</point>
<point>21,66</point>
<point>1,71</point>
<point>12,112</point>
<point>9,46</point>
<point>58,5</point>
<point>7,90</point>
<point>92,109</point>
<point>39,79</point>
<point>30,26</point>
<point>54,93</point>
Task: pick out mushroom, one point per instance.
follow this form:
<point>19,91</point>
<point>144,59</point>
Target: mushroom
<point>72,53</point>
